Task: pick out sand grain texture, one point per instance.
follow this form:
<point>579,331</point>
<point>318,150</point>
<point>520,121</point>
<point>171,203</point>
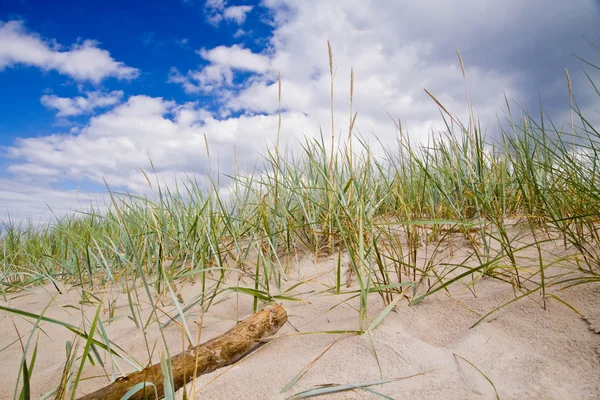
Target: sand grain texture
<point>528,352</point>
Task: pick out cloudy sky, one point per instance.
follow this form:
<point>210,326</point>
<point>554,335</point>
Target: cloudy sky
<point>92,91</point>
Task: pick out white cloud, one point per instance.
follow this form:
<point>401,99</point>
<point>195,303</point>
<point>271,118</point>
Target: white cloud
<point>239,33</point>
<point>81,105</point>
<point>237,13</point>
<point>114,145</point>
<point>217,11</point>
<point>224,61</point>
<point>83,62</point>
<point>215,4</point>
<point>237,57</point>
<point>207,80</point>
<point>397,49</point>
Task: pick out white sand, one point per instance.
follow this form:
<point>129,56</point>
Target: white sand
<point>526,351</point>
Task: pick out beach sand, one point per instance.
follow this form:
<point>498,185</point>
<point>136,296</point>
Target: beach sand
<point>525,351</point>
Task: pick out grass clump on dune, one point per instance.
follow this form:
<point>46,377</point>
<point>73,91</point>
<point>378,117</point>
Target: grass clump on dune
<point>392,216</point>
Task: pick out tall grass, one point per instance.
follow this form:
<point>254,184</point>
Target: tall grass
<point>393,215</point>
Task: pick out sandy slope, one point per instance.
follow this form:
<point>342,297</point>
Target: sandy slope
<point>527,352</point>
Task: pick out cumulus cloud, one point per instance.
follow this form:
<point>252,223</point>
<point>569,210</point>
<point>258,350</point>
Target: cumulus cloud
<point>223,63</point>
<point>79,105</point>
<point>218,11</point>
<point>237,13</point>
<point>116,144</point>
<point>239,33</point>
<point>83,62</point>
<point>207,80</point>
<point>397,49</point>
<point>237,57</point>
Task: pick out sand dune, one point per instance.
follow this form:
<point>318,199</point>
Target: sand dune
<point>526,351</point>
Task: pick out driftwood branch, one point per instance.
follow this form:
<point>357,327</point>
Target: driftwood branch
<point>202,359</point>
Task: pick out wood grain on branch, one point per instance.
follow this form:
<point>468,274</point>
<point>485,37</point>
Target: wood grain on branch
<point>202,359</point>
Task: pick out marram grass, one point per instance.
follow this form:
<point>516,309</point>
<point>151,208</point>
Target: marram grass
<point>533,180</point>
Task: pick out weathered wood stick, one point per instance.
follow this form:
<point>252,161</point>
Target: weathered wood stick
<point>202,359</point>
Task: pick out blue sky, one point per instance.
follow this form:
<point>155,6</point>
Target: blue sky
<point>152,36</point>
<point>90,91</point>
